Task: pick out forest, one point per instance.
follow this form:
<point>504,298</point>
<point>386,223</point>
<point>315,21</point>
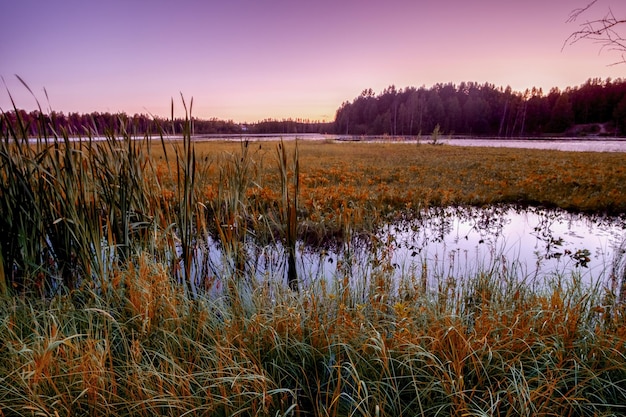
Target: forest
<point>97,124</point>
<point>597,107</point>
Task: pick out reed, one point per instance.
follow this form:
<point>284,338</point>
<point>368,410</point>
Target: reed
<point>187,199</point>
<point>66,202</point>
<point>78,207</point>
<point>320,351</point>
<point>110,304</point>
<point>289,211</point>
<point>231,207</point>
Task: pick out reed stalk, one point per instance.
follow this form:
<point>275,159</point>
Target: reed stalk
<point>491,350</point>
<point>290,188</point>
<point>186,196</point>
<point>100,312</point>
<point>231,208</point>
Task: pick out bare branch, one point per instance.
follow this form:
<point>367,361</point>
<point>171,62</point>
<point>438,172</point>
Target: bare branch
<point>602,31</point>
<point>577,12</point>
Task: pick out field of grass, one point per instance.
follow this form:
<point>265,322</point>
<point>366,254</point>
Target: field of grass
<point>105,308</point>
<point>386,178</point>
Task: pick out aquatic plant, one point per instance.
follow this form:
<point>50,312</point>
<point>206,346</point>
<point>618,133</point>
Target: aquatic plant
<point>490,346</point>
<point>111,304</point>
<point>289,215</point>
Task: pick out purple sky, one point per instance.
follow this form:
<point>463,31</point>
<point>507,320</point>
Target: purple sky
<point>248,60</point>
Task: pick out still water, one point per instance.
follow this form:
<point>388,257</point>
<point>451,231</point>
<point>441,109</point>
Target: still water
<point>588,144</point>
<point>530,244</point>
<point>571,144</point>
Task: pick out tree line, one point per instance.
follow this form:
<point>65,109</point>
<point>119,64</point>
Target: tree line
<point>36,123</point>
<point>596,107</point>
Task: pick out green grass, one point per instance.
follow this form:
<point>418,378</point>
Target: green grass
<point>103,308</point>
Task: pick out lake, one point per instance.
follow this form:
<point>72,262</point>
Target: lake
<point>586,144</point>
<point>534,245</point>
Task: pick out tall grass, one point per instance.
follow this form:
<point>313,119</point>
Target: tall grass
<point>493,350</point>
<point>189,209</point>
<point>289,215</point>
<point>75,208</point>
<point>109,305</point>
<point>232,209</point>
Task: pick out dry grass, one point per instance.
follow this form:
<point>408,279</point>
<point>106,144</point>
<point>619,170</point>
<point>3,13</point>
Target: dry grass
<point>361,184</point>
<point>103,312</point>
<point>488,350</point>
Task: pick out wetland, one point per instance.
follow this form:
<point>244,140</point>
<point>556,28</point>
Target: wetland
<point>143,276</point>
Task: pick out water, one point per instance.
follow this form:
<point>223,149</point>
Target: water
<point>565,144</point>
<point>588,144</point>
<point>531,244</point>
<point>534,242</point>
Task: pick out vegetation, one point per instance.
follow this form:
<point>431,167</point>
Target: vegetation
<point>108,307</point>
<point>605,31</point>
<point>597,107</point>
<point>493,347</point>
<point>76,124</point>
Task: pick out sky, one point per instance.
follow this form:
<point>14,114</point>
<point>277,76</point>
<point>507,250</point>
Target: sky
<point>250,60</point>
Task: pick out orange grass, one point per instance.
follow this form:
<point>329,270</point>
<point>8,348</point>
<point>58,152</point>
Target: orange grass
<point>362,184</point>
<point>323,351</point>
<point>134,342</point>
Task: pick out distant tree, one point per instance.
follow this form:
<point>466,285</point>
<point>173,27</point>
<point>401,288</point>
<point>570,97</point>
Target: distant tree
<point>415,105</point>
<point>538,113</point>
<point>482,109</point>
<point>619,115</point>
<point>434,110</point>
<point>604,31</point>
<point>475,109</point>
<point>453,115</point>
<point>562,114</point>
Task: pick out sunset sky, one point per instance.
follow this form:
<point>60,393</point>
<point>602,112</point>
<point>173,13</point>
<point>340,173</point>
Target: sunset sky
<point>247,60</point>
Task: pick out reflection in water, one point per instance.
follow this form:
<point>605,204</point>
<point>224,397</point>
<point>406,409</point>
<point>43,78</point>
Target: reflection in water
<point>459,243</point>
<point>535,242</point>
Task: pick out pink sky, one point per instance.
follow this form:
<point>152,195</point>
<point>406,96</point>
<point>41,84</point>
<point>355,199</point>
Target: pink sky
<point>247,60</point>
